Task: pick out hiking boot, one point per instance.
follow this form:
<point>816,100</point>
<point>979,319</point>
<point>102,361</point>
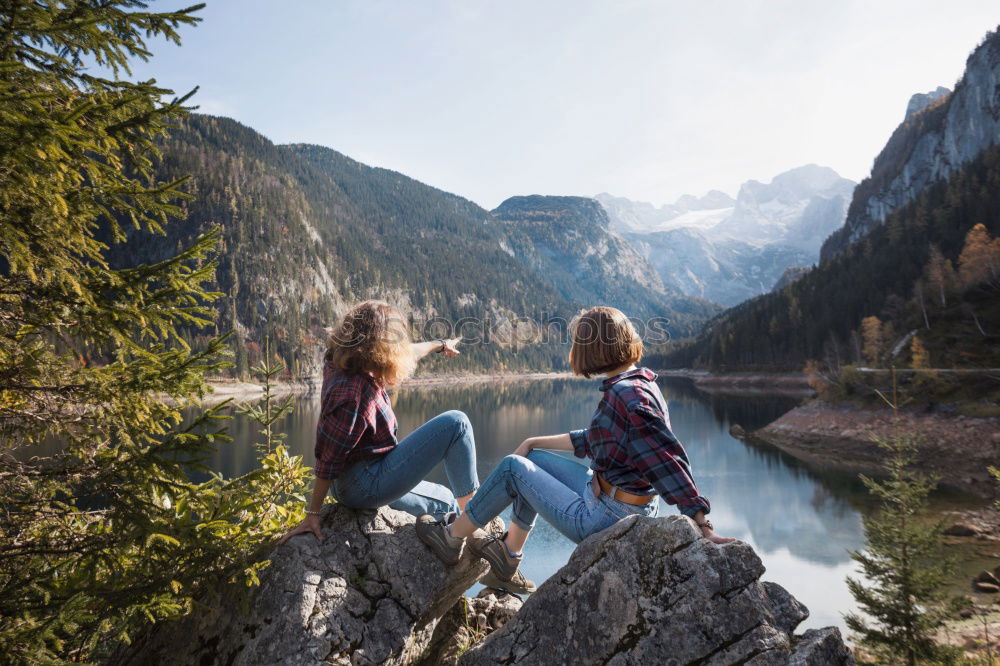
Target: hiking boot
<point>503,572</point>
<point>434,533</point>
<point>516,585</point>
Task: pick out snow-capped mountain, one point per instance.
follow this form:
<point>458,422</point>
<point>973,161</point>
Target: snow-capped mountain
<point>728,250</point>
<point>687,211</point>
<point>800,207</point>
<point>724,271</point>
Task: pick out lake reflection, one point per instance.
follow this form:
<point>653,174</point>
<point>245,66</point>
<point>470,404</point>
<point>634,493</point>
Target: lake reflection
<point>802,522</point>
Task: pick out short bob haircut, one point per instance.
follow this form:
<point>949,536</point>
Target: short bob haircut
<point>603,340</point>
<point>372,338</point>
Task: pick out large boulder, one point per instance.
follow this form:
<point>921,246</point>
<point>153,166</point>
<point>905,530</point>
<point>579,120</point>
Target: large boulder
<point>651,591</point>
<point>369,593</point>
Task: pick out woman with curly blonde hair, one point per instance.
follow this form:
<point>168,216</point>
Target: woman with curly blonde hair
<point>357,454</point>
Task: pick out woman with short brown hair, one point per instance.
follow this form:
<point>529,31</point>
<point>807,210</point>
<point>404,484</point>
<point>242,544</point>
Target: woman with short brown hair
<point>634,457</point>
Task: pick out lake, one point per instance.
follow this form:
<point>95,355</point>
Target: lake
<point>802,522</point>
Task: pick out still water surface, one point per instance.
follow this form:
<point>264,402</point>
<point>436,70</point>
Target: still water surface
<point>802,522</point>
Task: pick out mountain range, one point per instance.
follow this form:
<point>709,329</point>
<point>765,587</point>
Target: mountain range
<point>728,250</point>
<point>306,231</point>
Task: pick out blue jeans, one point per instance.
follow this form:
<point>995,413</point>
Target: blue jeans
<point>396,478</point>
<point>554,486</point>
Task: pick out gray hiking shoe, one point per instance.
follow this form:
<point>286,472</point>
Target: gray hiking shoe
<point>516,585</point>
<point>503,573</point>
<point>435,534</point>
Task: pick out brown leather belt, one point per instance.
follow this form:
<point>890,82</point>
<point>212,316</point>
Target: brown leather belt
<point>622,496</point>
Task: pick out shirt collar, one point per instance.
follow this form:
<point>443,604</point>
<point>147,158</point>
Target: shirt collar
<point>644,373</point>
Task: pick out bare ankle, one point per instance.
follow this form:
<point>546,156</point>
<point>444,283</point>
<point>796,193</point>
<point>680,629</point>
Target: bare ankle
<point>510,550</point>
<point>461,527</point>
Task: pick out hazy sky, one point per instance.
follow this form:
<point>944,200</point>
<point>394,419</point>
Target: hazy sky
<point>645,99</point>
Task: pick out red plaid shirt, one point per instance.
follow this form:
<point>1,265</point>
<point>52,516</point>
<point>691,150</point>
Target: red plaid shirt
<point>356,422</point>
<point>632,446</point>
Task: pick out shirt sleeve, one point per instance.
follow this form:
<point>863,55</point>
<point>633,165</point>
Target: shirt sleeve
<point>661,458</point>
<point>581,449</point>
<point>340,428</point>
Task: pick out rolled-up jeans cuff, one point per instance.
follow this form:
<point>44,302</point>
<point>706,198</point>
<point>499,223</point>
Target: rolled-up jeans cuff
<point>458,491</point>
<point>472,518</point>
<point>520,523</point>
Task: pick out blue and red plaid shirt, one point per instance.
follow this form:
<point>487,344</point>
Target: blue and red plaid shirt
<point>356,422</point>
<point>632,446</point>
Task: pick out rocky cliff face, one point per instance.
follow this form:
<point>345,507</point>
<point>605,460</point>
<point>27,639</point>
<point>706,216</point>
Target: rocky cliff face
<point>920,101</point>
<point>650,591</point>
<point>941,133</point>
<point>791,274</point>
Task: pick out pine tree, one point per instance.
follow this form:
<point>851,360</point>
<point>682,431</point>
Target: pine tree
<point>101,529</point>
<point>904,564</point>
<point>268,411</point>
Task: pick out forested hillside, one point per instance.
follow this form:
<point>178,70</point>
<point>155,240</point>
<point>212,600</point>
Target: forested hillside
<point>306,231</point>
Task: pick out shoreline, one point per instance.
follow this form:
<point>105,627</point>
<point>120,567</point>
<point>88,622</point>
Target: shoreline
<point>748,384</point>
<point>955,448</point>
<point>222,389</point>
<point>458,380</point>
<point>745,383</point>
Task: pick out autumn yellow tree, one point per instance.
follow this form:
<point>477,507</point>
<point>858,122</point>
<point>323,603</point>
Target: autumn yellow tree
<point>920,358</point>
<point>980,258</point>
<point>872,339</point>
<point>816,378</point>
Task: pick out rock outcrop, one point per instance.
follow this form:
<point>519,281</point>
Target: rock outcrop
<point>370,593</point>
<point>920,101</point>
<point>650,591</point>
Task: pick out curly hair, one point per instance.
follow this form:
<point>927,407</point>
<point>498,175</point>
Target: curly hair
<point>372,337</point>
